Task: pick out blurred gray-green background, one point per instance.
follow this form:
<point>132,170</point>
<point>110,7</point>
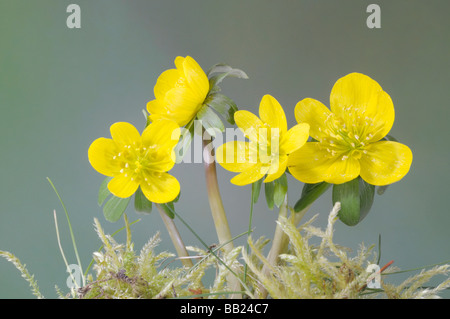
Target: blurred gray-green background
<point>62,88</point>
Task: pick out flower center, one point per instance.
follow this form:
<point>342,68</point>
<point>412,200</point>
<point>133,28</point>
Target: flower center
<point>136,161</point>
<point>268,144</point>
<point>342,141</point>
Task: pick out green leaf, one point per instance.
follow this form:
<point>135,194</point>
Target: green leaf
<point>224,71</point>
<point>366,195</point>
<point>168,209</point>
<point>147,118</point>
<point>356,198</point>
<point>280,190</point>
<point>256,189</point>
<point>210,121</point>
<point>103,191</point>
<point>177,198</point>
<point>310,193</point>
<point>382,189</point>
<point>390,138</point>
<point>348,195</point>
<point>223,105</point>
<point>141,203</point>
<point>269,189</point>
<point>115,207</point>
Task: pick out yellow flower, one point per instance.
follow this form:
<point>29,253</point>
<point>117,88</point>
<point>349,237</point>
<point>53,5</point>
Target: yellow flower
<point>138,161</point>
<point>270,144</point>
<point>179,93</point>
<point>348,139</point>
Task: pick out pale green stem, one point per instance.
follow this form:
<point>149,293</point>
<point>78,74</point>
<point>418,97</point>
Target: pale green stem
<point>250,220</point>
<point>213,251</point>
<point>70,228</point>
<point>297,217</point>
<point>217,208</point>
<point>176,238</point>
<point>215,200</point>
<point>61,249</point>
<point>280,241</point>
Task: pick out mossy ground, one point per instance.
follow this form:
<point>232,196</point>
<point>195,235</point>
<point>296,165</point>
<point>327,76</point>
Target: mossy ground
<point>305,270</point>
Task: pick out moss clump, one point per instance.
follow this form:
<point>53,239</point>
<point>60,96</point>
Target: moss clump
<point>327,271</point>
<point>305,270</point>
<point>123,273</point>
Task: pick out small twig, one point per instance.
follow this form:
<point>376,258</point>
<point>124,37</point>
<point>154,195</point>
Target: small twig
<point>380,271</point>
<point>385,266</point>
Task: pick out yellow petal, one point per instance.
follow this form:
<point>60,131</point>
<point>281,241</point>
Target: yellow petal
<point>166,81</point>
<point>181,118</point>
<point>316,114</point>
<point>180,98</point>
<point>161,133</point>
<point>124,134</point>
<point>251,175</point>
<point>179,92</point>
<point>271,112</point>
<point>123,186</point>
<point>341,171</point>
<point>235,156</point>
<point>312,163</point>
<point>160,188</point>
<point>249,124</point>
<point>183,104</point>
<point>179,60</point>
<point>362,104</point>
<point>160,138</point>
<point>156,107</point>
<point>277,168</point>
<point>101,155</point>
<point>295,138</point>
<point>309,163</point>
<point>196,77</point>
<point>385,162</point>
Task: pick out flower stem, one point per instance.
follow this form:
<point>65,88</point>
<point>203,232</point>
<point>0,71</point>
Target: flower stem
<point>216,204</point>
<point>176,238</point>
<point>280,241</point>
<point>70,228</point>
<point>250,220</point>
<point>215,200</point>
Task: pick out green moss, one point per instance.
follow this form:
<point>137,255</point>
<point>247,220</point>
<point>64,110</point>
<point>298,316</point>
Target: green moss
<point>305,270</point>
<point>327,270</point>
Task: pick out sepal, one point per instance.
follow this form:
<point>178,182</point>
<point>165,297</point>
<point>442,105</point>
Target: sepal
<point>310,193</point>
<point>269,190</point>
<point>276,191</point>
<point>218,102</point>
<point>141,203</point>
<point>223,71</point>
<point>356,198</point>
<point>280,191</point>
<point>114,206</point>
<point>169,208</point>
<point>256,189</point>
<point>103,191</point>
<point>210,120</point>
<point>223,105</point>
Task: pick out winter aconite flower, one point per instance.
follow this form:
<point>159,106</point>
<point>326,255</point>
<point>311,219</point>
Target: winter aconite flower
<point>269,146</point>
<point>349,138</point>
<point>138,161</point>
<point>180,92</point>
